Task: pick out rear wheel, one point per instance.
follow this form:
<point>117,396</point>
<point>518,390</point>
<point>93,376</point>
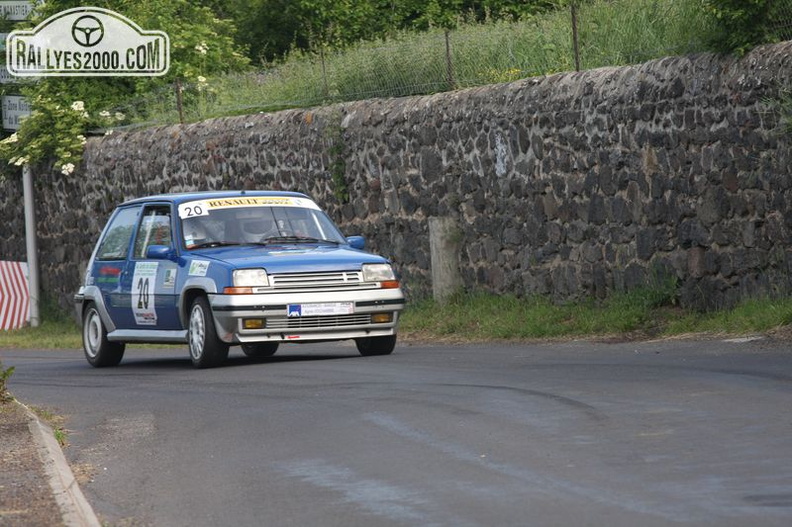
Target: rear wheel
<point>259,350</point>
<point>206,349</point>
<point>370,346</point>
<point>99,351</point>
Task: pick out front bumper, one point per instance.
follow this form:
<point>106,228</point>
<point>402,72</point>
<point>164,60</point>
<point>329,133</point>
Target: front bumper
<point>230,311</point>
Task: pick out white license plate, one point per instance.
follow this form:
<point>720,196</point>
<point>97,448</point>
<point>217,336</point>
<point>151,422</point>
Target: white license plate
<point>326,308</point>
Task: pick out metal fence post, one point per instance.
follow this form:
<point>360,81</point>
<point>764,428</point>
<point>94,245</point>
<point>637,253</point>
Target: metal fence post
<point>179,100</point>
<point>449,62</point>
<point>575,45</point>
<point>30,241</point>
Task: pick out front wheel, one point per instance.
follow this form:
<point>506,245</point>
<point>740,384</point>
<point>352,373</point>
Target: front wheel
<point>370,346</point>
<point>206,349</point>
<point>99,351</point>
<point>260,350</point>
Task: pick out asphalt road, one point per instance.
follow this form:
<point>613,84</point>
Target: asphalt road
<point>651,434</point>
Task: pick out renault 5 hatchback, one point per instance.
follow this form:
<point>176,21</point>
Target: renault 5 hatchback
<point>216,269</point>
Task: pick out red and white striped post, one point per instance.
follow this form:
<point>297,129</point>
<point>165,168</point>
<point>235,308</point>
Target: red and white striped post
<point>14,297</point>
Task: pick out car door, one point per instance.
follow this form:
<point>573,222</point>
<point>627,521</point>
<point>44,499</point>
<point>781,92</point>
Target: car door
<point>151,282</point>
<point>110,264</point>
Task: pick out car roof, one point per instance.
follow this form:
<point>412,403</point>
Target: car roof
<point>182,197</point>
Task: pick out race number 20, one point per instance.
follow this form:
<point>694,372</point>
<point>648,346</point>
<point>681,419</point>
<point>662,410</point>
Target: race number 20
<point>143,283</point>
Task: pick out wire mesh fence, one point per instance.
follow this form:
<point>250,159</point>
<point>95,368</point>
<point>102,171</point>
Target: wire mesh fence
<point>588,35</point>
<point>780,19</point>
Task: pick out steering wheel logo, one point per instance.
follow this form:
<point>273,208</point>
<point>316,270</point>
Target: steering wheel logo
<point>87,31</point>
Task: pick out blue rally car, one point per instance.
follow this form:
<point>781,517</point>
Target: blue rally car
<point>249,268</point>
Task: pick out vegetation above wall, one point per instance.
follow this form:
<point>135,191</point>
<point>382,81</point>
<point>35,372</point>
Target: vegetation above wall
<point>320,51</point>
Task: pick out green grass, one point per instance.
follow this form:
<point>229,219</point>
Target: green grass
<point>643,313</point>
<point>57,329</point>
<point>49,335</point>
<point>751,316</point>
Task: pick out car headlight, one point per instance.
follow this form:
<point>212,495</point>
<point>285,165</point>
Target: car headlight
<point>250,278</point>
<point>378,273</point>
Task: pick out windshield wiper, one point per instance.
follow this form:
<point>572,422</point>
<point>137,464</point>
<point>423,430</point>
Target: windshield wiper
<point>295,239</point>
<point>207,245</point>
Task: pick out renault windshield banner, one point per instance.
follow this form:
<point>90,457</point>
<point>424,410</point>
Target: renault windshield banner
<point>87,41</point>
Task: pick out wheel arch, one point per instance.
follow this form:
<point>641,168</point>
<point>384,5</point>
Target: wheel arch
<point>188,297</point>
<point>92,295</point>
<point>193,288</point>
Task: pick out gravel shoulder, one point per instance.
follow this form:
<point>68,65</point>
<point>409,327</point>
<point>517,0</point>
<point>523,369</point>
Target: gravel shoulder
<point>26,497</point>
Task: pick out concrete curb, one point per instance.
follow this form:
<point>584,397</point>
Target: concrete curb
<point>75,509</point>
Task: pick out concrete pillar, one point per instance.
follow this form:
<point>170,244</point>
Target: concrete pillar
<point>444,246</point>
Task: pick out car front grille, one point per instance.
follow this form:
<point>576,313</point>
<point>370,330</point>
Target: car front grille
<point>323,321</point>
<point>335,281</point>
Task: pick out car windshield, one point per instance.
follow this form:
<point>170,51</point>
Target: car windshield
<point>215,223</point>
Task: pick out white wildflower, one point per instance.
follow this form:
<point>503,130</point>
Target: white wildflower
<point>78,106</point>
<point>120,116</point>
<point>108,132</point>
<point>67,169</point>
<point>201,48</point>
<point>21,161</point>
<point>81,138</point>
<point>13,138</point>
<point>201,79</point>
<point>104,113</point>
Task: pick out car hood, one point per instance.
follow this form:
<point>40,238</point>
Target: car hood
<point>291,258</point>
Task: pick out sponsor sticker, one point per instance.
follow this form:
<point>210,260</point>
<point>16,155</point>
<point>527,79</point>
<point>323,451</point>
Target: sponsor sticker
<point>170,279</point>
<point>199,268</point>
<point>192,209</point>
<point>325,308</point>
<point>108,274</point>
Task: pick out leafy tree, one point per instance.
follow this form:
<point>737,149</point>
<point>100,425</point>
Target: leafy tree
<point>742,24</point>
<point>271,28</point>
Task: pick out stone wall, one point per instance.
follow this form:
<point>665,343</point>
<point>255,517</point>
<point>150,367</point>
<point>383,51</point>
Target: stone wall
<point>570,186</point>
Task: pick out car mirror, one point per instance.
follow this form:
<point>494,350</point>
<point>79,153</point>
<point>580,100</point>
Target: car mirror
<point>159,252</point>
<point>356,242</point>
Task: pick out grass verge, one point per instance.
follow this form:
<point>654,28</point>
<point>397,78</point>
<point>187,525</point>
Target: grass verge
<point>643,313</point>
<point>49,335</point>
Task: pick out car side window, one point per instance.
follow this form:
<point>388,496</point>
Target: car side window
<point>154,229</point>
<point>115,244</point>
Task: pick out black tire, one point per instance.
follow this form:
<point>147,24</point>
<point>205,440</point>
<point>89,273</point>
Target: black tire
<point>99,351</point>
<point>371,346</point>
<point>206,349</point>
<point>260,350</point>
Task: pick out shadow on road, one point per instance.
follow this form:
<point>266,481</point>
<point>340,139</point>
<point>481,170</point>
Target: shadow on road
<point>147,361</point>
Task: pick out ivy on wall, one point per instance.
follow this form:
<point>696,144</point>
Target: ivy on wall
<point>337,150</point>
